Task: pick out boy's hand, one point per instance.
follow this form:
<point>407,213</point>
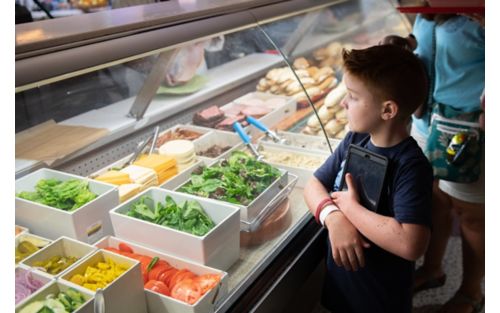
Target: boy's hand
<point>347,243</point>
<point>346,200</point>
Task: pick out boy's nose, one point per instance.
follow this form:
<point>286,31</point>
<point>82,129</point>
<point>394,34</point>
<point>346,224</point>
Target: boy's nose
<point>343,103</point>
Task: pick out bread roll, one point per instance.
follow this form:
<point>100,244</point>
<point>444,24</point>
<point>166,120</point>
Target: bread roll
<point>333,127</point>
<point>313,122</point>
<point>324,114</point>
<point>274,88</point>
<point>334,49</point>
<point>328,83</point>
<point>320,54</point>
<point>335,109</point>
<point>263,85</point>
<point>325,70</point>
<point>342,114</point>
<point>311,91</point>
<point>312,71</point>
<point>342,121</point>
<point>302,73</point>
<point>300,63</point>
<point>285,75</point>
<point>336,95</point>
<point>294,87</point>
<point>274,73</point>
<point>260,88</point>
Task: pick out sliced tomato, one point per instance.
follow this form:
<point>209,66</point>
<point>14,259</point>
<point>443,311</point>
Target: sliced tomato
<point>185,275</point>
<point>154,274</point>
<point>179,276</point>
<point>186,291</point>
<point>157,286</point>
<point>162,263</point>
<point>125,247</point>
<point>144,260</point>
<point>167,275</point>
<point>173,279</point>
<point>207,282</point>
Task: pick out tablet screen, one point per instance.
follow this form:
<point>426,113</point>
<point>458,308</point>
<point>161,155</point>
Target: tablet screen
<point>368,170</point>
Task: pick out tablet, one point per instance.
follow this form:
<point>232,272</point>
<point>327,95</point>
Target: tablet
<point>368,170</point>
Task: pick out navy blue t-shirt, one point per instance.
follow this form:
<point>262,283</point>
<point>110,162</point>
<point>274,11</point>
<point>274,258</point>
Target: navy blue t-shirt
<point>385,283</point>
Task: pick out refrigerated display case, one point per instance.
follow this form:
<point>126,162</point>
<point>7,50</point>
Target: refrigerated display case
<point>129,70</point>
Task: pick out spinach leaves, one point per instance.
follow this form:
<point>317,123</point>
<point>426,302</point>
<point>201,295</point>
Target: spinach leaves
<point>189,216</point>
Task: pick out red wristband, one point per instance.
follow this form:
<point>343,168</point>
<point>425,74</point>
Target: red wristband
<point>320,208</point>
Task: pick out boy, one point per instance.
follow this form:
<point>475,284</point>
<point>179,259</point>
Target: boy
<point>370,259</point>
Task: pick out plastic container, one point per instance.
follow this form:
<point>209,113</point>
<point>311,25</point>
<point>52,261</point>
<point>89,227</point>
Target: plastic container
<point>64,246</point>
<point>88,223</point>
<point>125,293</point>
<point>218,248</point>
<point>54,287</point>
<point>159,303</point>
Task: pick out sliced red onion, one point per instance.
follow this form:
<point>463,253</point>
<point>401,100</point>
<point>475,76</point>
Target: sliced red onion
<point>26,285</point>
<point>21,292</point>
<point>32,283</point>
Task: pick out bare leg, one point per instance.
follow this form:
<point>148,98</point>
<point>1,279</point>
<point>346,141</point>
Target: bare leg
<point>472,232</point>
<point>441,231</point>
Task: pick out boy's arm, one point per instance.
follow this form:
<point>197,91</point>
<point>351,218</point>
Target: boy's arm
<point>347,243</point>
<point>408,241</point>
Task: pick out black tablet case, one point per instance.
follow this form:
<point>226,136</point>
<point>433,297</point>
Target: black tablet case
<point>369,170</point>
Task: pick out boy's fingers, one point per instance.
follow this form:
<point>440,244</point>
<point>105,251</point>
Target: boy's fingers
<point>350,182</point>
<point>360,255</point>
<point>345,260</point>
<point>353,260</point>
<point>336,257</point>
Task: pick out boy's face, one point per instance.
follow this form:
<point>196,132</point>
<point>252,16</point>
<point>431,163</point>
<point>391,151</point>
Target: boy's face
<point>363,111</point>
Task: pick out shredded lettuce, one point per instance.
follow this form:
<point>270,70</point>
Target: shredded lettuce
<point>68,195</point>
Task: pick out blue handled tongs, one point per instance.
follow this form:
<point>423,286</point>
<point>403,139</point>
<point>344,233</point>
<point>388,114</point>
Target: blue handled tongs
<point>269,133</point>
<point>246,140</point>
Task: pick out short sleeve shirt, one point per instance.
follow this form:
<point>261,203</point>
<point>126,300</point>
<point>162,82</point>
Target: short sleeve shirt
<point>385,282</point>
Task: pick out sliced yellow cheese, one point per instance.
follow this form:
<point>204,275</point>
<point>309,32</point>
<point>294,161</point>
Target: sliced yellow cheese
<point>115,178</point>
<point>165,175</point>
<point>127,191</point>
<point>156,162</point>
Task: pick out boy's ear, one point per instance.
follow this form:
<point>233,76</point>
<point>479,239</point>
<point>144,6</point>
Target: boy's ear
<point>390,110</point>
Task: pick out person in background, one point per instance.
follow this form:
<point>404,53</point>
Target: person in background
<point>452,48</point>
<point>370,259</point>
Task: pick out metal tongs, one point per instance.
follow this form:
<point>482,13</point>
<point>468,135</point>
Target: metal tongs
<point>140,148</point>
<point>269,133</point>
<point>246,139</point>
